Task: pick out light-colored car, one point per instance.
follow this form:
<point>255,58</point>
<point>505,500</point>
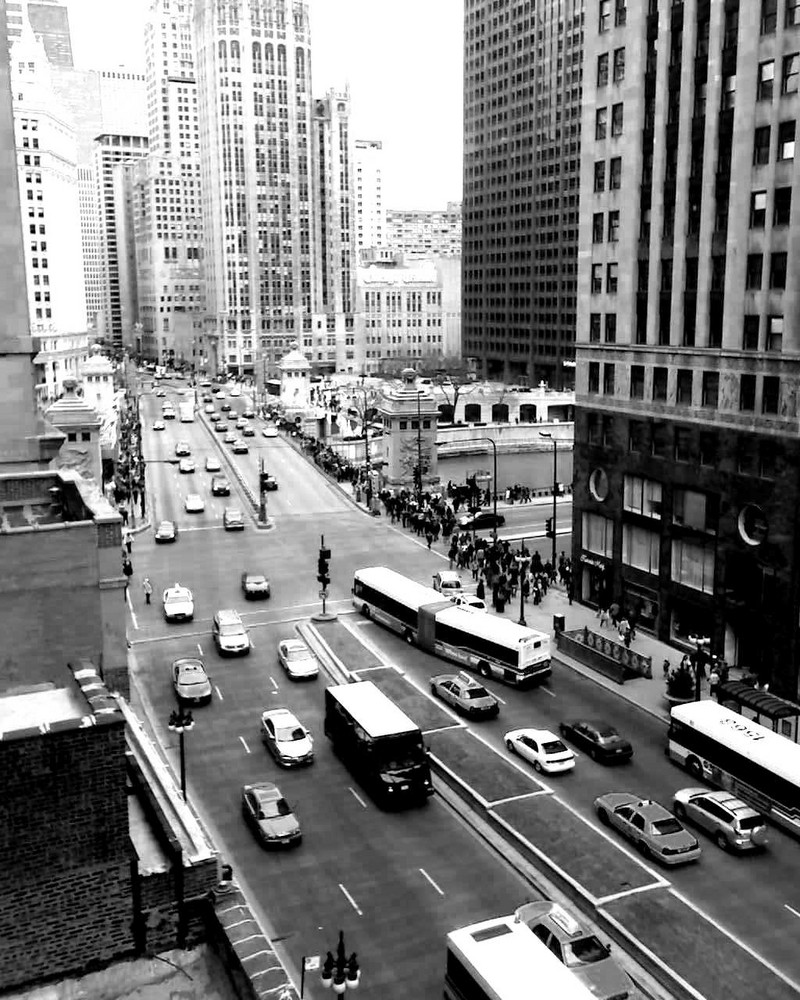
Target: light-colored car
<point>447,582</point>
<point>581,951</point>
<point>178,604</point>
<point>541,748</point>
<point>209,408</point>
<point>235,392</point>
<point>465,694</point>
<point>286,738</point>
<point>191,683</point>
<point>229,634</point>
<point>194,503</point>
<point>168,412</point>
<point>159,425</point>
<point>269,815</point>
<point>732,823</point>
<point>230,437</point>
<point>186,465</point>
<point>241,423</point>
<point>239,446</point>
<point>470,603</point>
<point>182,449</point>
<point>652,828</point>
<point>213,464</point>
<point>297,659</point>
<point>167,531</point>
<point>233,519</point>
<point>270,431</point>
<point>255,586</point>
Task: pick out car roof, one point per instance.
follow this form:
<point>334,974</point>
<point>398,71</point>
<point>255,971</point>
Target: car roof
<point>281,715</point>
<point>189,663</point>
<point>539,734</point>
<point>730,801</point>
<point>560,921</point>
<point>264,791</point>
<point>178,589</point>
<point>294,644</point>
<point>228,615</point>
<point>652,810</point>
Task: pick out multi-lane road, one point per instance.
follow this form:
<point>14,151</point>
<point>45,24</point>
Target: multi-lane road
<point>396,883</point>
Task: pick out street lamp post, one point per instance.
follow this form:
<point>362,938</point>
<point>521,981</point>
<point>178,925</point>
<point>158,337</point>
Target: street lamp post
<point>522,562</point>
<point>341,973</point>
<point>366,444</point>
<point>549,436</point>
<point>494,486</point>
<point>419,448</point>
<point>181,722</point>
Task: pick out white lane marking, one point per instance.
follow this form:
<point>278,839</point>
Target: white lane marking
<point>602,900</point>
<point>791,909</point>
<point>350,900</point>
<point>274,683</point>
<point>130,605</point>
<point>356,796</point>
<point>547,690</point>
<point>219,693</point>
<point>199,649</point>
<point>427,876</point>
<point>501,700</point>
<point>252,644</point>
<point>244,744</point>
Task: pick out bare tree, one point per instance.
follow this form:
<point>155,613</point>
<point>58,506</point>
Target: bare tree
<point>453,387</point>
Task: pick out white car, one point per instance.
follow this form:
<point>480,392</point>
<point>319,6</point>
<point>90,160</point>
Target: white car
<point>186,465</point>
<point>447,582</point>
<point>194,504</point>
<point>209,408</point>
<point>159,425</point>
<point>213,464</point>
<point>287,739</point>
<point>178,604</point>
<point>270,431</point>
<point>470,603</point>
<point>543,749</point>
<point>297,659</point>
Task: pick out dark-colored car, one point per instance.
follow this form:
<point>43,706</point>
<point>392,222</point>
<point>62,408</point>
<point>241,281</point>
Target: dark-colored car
<point>255,586</point>
<point>220,487</point>
<point>269,815</point>
<point>226,407</point>
<point>481,520</point>
<point>248,432</point>
<point>598,740</point>
<point>167,531</point>
<point>191,683</point>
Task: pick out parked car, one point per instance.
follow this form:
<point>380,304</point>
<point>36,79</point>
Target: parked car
<point>167,531</point>
<point>481,520</point>
<point>229,634</point>
<point>732,823</point>
<point>255,586</point>
<point>289,742</point>
<point>542,748</point>
<point>297,659</point>
<point>178,604</point>
<point>233,519</point>
<point>191,683</point>
<point>269,815</point>
<point>599,740</point>
<point>651,827</point>
<point>465,694</point>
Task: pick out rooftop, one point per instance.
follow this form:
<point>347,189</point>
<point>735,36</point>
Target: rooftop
<point>40,708</point>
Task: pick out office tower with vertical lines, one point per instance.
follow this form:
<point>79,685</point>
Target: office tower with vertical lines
<point>522,117</point>
<point>688,347</point>
<point>49,21</point>
<point>370,208</point>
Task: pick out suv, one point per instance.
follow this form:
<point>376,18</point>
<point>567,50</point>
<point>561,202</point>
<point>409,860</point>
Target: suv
<point>229,634</point>
<point>732,823</point>
<point>582,953</point>
<point>465,694</point>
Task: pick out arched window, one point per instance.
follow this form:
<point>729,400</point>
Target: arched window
<point>527,413</point>
<point>446,413</point>
<point>499,413</point>
<point>472,413</point>
<point>300,65</point>
<point>235,51</point>
<point>223,54</point>
<point>257,66</point>
<point>281,60</point>
<point>269,58</point>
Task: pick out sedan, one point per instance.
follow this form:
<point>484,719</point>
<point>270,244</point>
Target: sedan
<point>221,427</point>
<point>466,694</point>
<point>226,407</point>
<point>482,519</point>
<point>233,519</point>
<point>215,417</point>
<point>297,659</point>
<point>182,449</point>
<point>186,465</point>
<point>241,423</point>
<point>248,431</point>
<point>220,487</point>
<point>178,604</point>
<point>194,504</point>
<point>600,741</point>
<point>209,408</point>
<point>159,425</point>
<point>255,586</point>
<point>286,738</point>
<point>733,824</point>
<point>269,815</point>
<point>654,831</point>
<point>191,683</point>
<point>213,464</point>
<point>167,531</point>
<point>230,437</point>
<point>160,393</point>
<point>270,431</point>
<point>469,602</point>
<point>249,414</point>
<point>542,748</point>
<point>239,446</point>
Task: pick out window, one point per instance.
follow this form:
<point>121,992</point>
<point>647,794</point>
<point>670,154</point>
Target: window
<point>611,328</point>
<point>612,279</point>
<point>660,384</point>
<point>728,99</point>
<point>616,120</point>
<point>783,206</point>
<point>708,448</point>
<point>613,226</point>
<point>750,333</point>
<point>690,280</point>
<point>786,133</point>
<point>597,534</point>
<point>791,73</point>
<point>597,279</point>
<point>637,381</point>
<point>766,80</point>
<point>666,275</point>
<point>710,389</point>
<point>770,396</point>
<point>747,393</point>
<point>608,380</point>
<point>594,328</point>
<point>615,178</point>
<point>605,15</point>
<point>684,394</point>
<point>755,264</point>
<point>695,510</point>
<point>761,145</point>
<point>640,548</point>
<point>600,123</point>
<point>594,377</point>
<point>775,333</point>
<point>600,176</point>
<point>597,227</point>
<point>619,65</point>
<point>769,16</point>
<point>758,209</point>
<point>602,70</point>
<point>777,270</point>
<point>642,496</point>
<point>792,13</point>
<point>693,564</point>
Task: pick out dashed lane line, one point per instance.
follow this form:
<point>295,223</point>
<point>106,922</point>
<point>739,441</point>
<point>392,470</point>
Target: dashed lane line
<point>350,900</point>
<point>425,875</point>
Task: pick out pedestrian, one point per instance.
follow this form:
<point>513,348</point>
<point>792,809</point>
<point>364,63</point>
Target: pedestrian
<point>613,614</point>
<point>480,590</point>
<point>569,588</point>
<point>127,570</point>
<point>147,587</point>
<point>124,515</point>
<point>429,537</point>
<point>127,534</point>
<point>713,680</point>
<point>666,668</point>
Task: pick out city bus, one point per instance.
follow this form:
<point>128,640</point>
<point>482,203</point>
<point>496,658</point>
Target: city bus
<point>186,413</point>
<point>733,752</point>
<point>502,959</point>
<point>489,645</point>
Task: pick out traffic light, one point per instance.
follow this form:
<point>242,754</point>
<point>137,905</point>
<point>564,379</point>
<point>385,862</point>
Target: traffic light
<point>548,526</point>
<point>263,479</point>
<point>323,569</point>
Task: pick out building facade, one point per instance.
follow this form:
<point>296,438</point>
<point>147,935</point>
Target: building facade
<point>370,207</point>
<point>686,462</point>
<point>522,119</point>
<point>49,21</point>
<point>425,234</point>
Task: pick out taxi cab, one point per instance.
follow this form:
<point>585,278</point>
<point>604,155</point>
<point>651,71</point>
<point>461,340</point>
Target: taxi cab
<point>465,694</point>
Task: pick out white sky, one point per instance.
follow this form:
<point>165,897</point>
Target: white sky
<point>401,58</point>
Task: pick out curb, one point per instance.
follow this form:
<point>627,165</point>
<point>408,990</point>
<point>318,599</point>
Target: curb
<point>239,476</point>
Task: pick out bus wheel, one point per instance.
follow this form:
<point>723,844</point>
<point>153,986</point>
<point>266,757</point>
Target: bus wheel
<point>365,610</point>
<point>694,767</point>
<point>483,669</point>
<point>408,637</point>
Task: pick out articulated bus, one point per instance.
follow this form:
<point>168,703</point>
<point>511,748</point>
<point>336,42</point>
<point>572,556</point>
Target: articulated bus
<point>502,959</point>
<point>735,753</point>
<point>491,646</point>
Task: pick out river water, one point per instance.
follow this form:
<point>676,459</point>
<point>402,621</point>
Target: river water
<point>534,468</point>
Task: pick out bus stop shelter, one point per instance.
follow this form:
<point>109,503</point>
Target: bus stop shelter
<point>782,714</point>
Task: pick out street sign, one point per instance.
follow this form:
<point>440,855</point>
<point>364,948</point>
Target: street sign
<point>311,963</point>
<point>323,594</point>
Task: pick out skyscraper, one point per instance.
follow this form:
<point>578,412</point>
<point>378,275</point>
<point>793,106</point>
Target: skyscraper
<point>522,107</point>
<point>49,20</point>
<point>370,207</point>
<point>687,454</point>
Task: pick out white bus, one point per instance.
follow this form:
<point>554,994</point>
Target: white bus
<point>502,959</point>
<point>186,412</point>
<point>489,645</point>
<point>735,753</point>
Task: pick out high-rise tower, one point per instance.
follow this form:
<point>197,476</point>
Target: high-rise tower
<point>49,20</point>
<point>370,206</point>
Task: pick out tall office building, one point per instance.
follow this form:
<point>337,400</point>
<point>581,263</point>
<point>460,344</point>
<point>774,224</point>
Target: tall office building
<point>92,248</point>
<point>275,271</point>
<point>422,234</point>
<point>370,208</point>
<point>687,454</point>
<point>49,21</point>
<point>522,107</point>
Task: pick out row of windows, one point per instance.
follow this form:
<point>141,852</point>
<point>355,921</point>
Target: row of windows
<point>618,63</point>
<point>599,226</point>
<point>601,121</point>
<point>790,77</point>
<point>769,15</point>
<point>762,143</point>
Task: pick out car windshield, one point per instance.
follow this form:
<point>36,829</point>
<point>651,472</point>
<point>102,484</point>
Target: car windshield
<point>554,746</point>
<point>663,827</point>
<point>584,951</point>
<point>290,734</point>
<point>234,513</point>
<point>275,808</point>
<point>232,628</point>
<point>256,581</point>
<point>178,595</point>
<point>607,733</point>
<point>297,653</point>
<point>477,692</point>
<point>192,679</point>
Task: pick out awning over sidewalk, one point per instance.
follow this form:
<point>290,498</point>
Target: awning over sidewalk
<point>759,701</point>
